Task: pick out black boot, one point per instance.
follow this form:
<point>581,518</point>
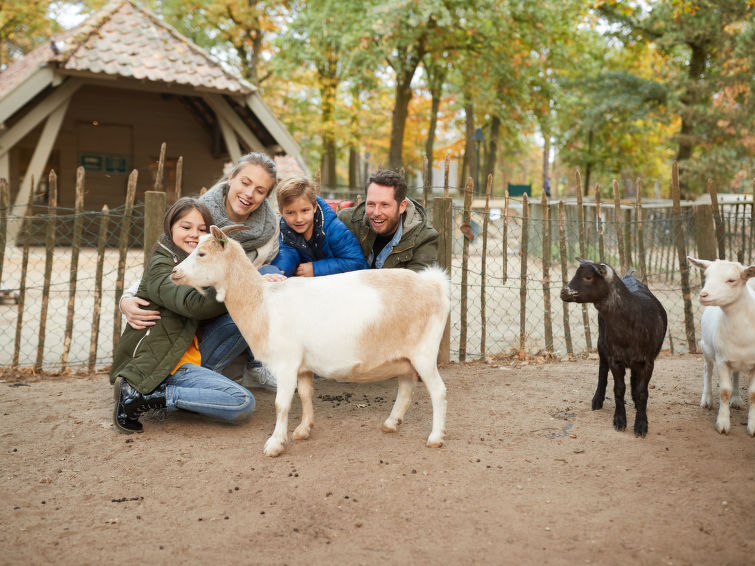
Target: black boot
<point>130,405</point>
<point>123,394</point>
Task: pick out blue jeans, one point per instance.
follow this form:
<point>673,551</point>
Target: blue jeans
<point>201,390</point>
<point>221,342</point>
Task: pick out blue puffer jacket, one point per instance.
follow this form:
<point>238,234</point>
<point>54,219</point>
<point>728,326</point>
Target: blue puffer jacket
<point>332,248</point>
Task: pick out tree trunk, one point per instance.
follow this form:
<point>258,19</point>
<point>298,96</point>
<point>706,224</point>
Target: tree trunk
<point>430,143</point>
<point>353,168</point>
<point>398,124</point>
<point>690,99</point>
<point>468,163</point>
<point>329,84</point>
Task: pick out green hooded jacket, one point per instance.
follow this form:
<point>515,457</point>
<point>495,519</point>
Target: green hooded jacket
<point>146,357</point>
<point>418,247</point>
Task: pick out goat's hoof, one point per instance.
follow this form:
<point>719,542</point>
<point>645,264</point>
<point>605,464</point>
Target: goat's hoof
<point>641,429</point>
<point>619,423</point>
<point>751,429</point>
<point>736,403</point>
<point>391,425</point>
<point>723,426</point>
<point>273,448</point>
<point>301,432</point>
<point>597,403</point>
<point>706,402</point>
<point>435,441</point>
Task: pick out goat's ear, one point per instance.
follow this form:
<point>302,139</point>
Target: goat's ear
<point>581,260</point>
<point>701,263</point>
<point>217,233</point>
<point>233,228</point>
<point>602,269</point>
<point>749,272</point>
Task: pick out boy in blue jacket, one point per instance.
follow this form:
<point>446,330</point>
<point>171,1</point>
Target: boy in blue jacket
<point>313,241</point>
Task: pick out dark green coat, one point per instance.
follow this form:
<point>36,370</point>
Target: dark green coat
<point>146,357</point>
<point>418,247</point>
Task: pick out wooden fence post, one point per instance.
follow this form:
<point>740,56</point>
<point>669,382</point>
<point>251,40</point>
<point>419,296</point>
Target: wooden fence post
<point>599,221</point>
<point>640,217</point>
<point>179,177</point>
<point>443,222</point>
<point>426,173</point>
<point>4,211</point>
<point>22,282</point>
<point>618,217</point>
<point>73,276</point>
<point>505,236</point>
<point>523,273</point>
<point>719,226</point>
<point>548,323</point>
<point>101,240</point>
<point>689,322</point>
<point>705,235</point>
<point>582,253</point>
<point>49,253</point>
<point>122,251</point>
<point>159,186</point>
<point>466,220</point>
<point>154,212</point>
<point>483,267</point>
<point>446,169</point>
<point>564,273</point>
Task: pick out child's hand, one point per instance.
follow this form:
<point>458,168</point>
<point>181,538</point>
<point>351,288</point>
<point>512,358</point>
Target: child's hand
<point>137,317</point>
<point>305,270</point>
<point>274,277</point>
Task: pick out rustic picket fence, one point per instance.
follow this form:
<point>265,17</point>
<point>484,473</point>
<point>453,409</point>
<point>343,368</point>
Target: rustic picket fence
<point>507,258</point>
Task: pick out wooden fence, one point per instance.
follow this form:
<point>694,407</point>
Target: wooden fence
<point>507,259</point>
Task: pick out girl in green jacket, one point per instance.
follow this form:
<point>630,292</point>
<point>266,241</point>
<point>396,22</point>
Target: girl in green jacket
<point>160,367</point>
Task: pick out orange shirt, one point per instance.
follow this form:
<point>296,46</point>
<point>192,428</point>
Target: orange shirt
<point>191,356</point>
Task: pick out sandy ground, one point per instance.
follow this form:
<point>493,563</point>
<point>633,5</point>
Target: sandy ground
<point>529,475</point>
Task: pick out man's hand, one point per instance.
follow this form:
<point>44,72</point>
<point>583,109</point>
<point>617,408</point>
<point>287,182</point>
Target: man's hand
<point>305,270</point>
<point>137,317</point>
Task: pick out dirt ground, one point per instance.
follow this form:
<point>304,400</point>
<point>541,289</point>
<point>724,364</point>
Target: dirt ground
<point>529,475</point>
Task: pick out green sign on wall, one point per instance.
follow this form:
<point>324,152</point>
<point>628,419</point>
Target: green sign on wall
<point>103,163</point>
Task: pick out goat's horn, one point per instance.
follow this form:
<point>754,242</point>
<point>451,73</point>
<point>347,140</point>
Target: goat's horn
<point>233,228</point>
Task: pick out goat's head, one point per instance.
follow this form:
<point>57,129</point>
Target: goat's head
<point>590,284</point>
<point>206,265</point>
<point>725,281</point>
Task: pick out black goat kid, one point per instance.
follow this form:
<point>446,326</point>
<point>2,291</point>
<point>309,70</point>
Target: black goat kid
<point>631,328</point>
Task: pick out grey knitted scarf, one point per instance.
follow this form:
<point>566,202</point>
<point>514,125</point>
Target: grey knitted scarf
<point>261,223</point>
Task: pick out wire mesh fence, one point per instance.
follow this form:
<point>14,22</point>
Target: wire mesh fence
<point>73,331</point>
<point>508,264</point>
<point>506,300</point>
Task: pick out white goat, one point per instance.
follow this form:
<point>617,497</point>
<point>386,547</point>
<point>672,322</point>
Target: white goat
<point>359,326</point>
<point>728,327</point>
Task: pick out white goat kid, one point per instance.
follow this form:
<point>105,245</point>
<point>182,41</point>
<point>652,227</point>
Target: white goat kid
<point>728,343</point>
<point>360,326</point>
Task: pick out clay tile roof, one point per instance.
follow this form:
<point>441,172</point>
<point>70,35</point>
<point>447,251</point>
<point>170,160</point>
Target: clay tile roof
<point>123,40</point>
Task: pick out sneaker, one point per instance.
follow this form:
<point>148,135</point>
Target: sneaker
<point>259,377</point>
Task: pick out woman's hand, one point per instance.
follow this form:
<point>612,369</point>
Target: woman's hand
<point>137,317</point>
<point>305,270</point>
<point>274,277</point>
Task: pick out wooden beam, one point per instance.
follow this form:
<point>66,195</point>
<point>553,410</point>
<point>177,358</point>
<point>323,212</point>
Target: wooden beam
<point>223,109</point>
<point>46,107</point>
<point>231,141</point>
<point>38,161</point>
<point>4,167</point>
<point>277,130</point>
<point>24,92</point>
